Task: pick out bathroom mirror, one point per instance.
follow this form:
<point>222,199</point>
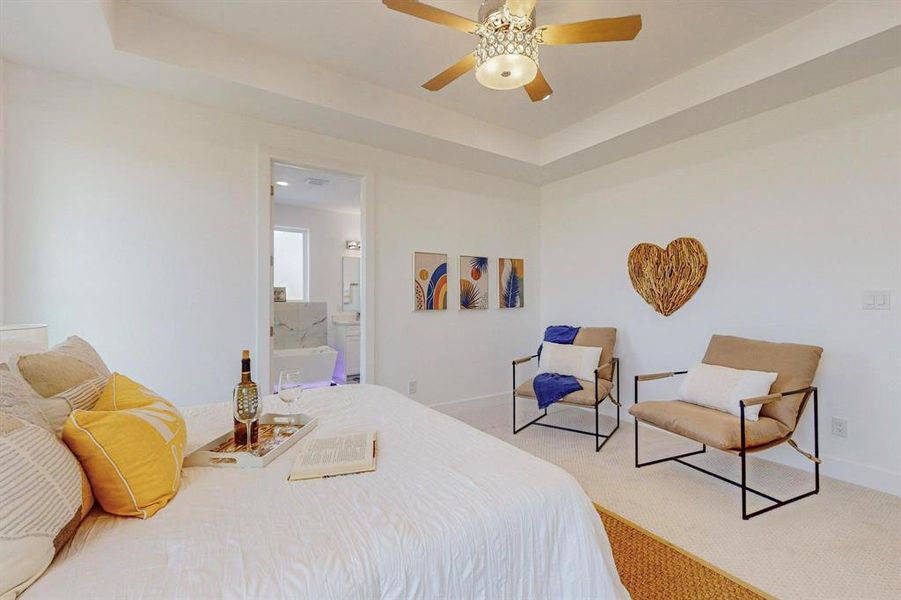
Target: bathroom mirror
<point>350,268</point>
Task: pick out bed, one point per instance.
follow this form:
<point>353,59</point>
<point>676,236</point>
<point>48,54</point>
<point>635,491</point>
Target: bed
<point>451,512</point>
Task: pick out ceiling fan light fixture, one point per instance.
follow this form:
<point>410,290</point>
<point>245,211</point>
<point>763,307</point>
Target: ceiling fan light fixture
<point>506,71</point>
<point>507,53</point>
<point>507,58</point>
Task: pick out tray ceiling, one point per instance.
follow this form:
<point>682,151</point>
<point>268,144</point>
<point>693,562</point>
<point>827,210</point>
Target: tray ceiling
<point>352,70</point>
<point>365,40</point>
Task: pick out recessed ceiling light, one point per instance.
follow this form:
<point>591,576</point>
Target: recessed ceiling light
<point>282,183</point>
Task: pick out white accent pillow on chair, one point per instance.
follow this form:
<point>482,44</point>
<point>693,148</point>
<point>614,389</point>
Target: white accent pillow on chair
<point>567,359</point>
<point>721,388</point>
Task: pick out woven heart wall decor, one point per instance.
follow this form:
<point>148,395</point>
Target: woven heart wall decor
<point>668,278</point>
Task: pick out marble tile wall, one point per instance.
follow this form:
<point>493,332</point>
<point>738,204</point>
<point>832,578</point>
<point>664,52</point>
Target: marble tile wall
<point>300,325</point>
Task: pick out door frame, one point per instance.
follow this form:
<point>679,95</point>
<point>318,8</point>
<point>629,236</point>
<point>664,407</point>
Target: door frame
<point>266,156</point>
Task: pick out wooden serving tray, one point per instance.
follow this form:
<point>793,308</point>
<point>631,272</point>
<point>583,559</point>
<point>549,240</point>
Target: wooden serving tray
<point>223,452</point>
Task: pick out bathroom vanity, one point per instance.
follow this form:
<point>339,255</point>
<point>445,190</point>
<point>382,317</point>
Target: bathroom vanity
<point>347,343</point>
<point>346,324</point>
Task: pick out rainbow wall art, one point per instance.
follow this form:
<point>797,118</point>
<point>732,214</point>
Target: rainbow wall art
<point>429,281</point>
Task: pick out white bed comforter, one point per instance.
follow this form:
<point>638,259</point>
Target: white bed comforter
<point>451,512</point>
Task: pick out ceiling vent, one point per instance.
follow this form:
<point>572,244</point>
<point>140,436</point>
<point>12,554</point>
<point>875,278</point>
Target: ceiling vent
<point>316,181</point>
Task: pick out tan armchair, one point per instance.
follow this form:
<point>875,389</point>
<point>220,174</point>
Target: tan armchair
<point>592,394</point>
<point>782,409</point>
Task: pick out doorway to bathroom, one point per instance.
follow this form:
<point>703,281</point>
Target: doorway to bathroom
<point>317,296</point>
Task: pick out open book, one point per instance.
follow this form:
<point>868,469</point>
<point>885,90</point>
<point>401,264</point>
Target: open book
<point>339,455</point>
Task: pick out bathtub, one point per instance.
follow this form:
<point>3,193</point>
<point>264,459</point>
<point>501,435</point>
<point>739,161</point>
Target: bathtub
<point>316,365</point>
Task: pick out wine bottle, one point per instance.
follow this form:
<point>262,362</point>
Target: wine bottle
<point>246,388</point>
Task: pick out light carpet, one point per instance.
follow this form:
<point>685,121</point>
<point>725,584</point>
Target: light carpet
<point>844,543</point>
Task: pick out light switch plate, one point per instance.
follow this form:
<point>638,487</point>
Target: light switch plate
<point>839,427</point>
<point>877,300</point>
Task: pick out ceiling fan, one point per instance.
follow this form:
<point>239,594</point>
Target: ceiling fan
<point>507,53</point>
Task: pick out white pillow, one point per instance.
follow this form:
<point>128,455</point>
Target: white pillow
<point>721,388</point>
<point>566,359</point>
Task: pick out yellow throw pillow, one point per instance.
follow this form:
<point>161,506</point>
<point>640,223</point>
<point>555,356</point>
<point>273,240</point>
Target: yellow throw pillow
<point>131,446</point>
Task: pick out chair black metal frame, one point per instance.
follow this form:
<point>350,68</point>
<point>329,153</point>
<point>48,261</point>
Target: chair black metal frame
<point>744,450</point>
<point>614,364</point>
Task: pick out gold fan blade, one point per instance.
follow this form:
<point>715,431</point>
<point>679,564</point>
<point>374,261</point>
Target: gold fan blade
<point>538,89</point>
<point>467,63</point>
<point>619,29</point>
<point>430,13</point>
<point>521,7</point>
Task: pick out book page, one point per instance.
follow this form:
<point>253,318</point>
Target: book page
<point>338,455</point>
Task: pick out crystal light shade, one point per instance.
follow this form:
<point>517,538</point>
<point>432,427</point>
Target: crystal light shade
<point>506,59</point>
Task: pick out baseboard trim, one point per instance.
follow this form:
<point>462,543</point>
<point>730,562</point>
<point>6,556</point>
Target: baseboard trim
<point>872,477</point>
<point>848,471</point>
<point>498,395</point>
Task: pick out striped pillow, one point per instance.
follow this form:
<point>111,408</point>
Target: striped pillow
<point>83,396</point>
<point>44,495</point>
<point>19,400</point>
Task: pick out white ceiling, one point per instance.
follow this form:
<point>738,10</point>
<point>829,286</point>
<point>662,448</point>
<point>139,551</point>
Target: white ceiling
<point>341,192</point>
<point>365,40</point>
<point>352,69</point>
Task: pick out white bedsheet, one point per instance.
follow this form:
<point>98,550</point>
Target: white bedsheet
<point>451,512</point>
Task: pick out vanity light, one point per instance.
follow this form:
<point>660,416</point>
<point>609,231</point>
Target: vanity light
<point>353,244</point>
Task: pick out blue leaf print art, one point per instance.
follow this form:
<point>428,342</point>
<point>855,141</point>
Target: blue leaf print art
<point>511,282</point>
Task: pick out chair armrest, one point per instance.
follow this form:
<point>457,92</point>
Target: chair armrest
<point>652,376</point>
<point>524,359</point>
<point>761,400</point>
<point>773,397</point>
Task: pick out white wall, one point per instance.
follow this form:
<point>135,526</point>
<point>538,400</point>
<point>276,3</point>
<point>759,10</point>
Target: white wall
<point>454,353</point>
<point>328,232</point>
<point>2,191</point>
<point>128,228</point>
<point>131,220</point>
<point>800,211</point>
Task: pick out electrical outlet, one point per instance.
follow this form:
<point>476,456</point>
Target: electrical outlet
<point>411,387</point>
<point>877,300</point>
<point>839,427</point>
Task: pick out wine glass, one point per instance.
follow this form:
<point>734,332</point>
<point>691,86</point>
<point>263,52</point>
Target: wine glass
<point>290,386</point>
<point>247,407</point>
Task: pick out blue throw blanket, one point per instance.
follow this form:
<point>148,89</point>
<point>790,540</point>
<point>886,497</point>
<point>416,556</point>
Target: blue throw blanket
<point>551,387</point>
<point>560,334</point>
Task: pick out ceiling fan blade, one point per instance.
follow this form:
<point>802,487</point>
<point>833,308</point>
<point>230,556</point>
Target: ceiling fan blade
<point>521,7</point>
<point>467,63</point>
<point>618,29</point>
<point>430,13</point>
<point>538,89</point>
